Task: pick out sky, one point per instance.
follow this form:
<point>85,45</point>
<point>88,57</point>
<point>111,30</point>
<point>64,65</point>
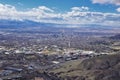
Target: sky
<point>98,12</point>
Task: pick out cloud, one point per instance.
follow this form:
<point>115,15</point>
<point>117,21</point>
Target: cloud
<point>98,18</point>
<point>116,2</point>
<point>43,8</point>
<point>35,14</point>
<point>76,16</point>
<point>7,12</point>
<point>118,9</point>
<point>83,8</point>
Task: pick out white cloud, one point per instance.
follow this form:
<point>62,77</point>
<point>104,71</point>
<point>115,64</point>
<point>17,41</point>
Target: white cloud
<point>35,14</point>
<point>77,16</point>
<point>43,8</point>
<point>118,9</point>
<point>116,2</point>
<point>86,17</point>
<point>83,8</point>
<point>7,12</point>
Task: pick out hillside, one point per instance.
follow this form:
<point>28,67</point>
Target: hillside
<point>98,68</point>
